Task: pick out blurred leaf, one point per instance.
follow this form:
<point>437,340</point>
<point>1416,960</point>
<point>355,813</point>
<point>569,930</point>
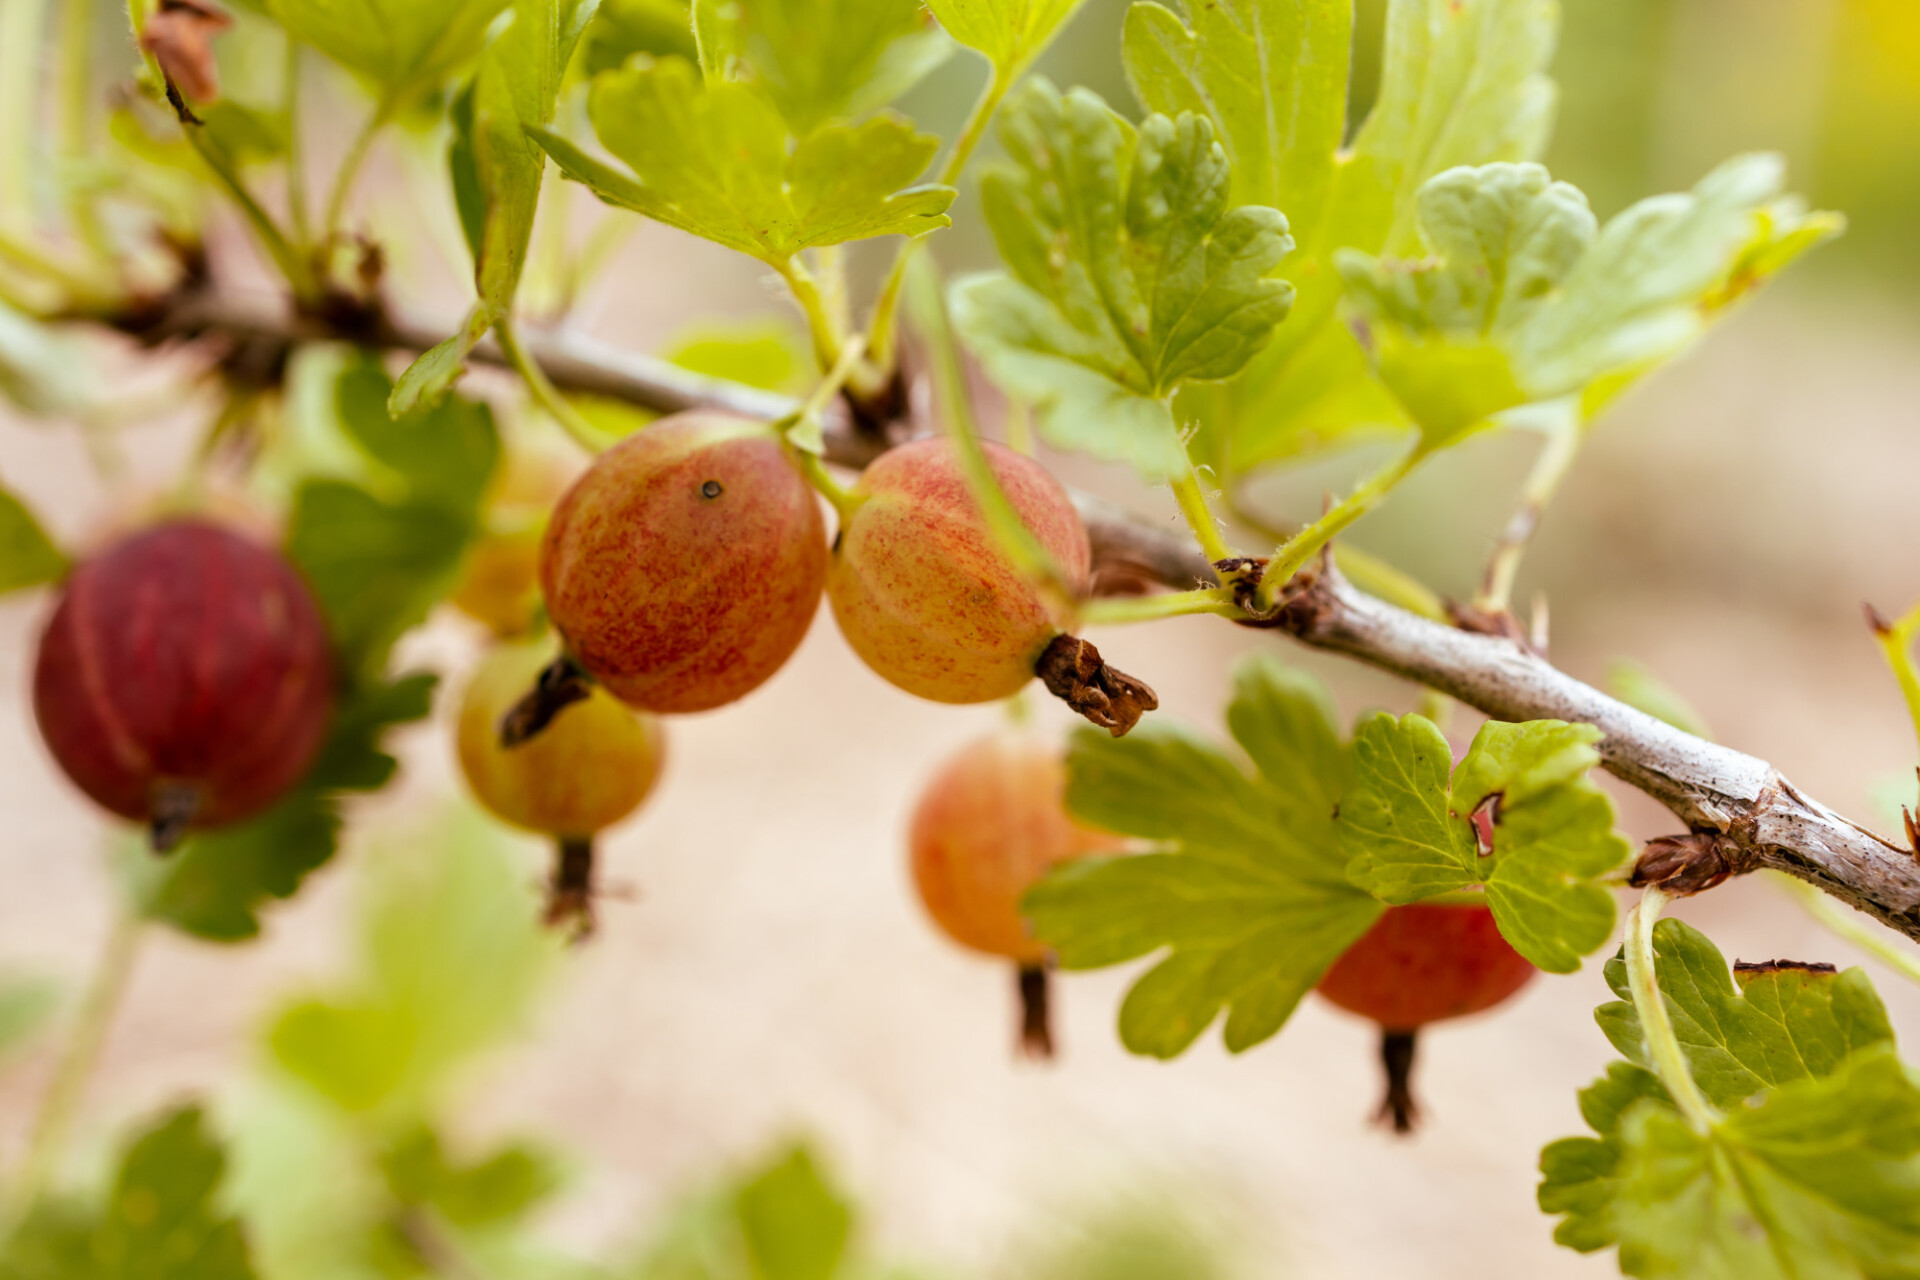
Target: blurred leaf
<point>821,60</point>
<point>1640,689</point>
<point>622,28</point>
<point>403,46</point>
<point>25,1006</point>
<point>796,1226</point>
<point>1408,834</point>
<point>443,456</point>
<point>453,957</point>
<point>214,885</point>
<point>1127,274</point>
<point>1248,894</point>
<point>28,557</point>
<point>1145,1241</point>
<point>1519,297</point>
<point>1012,33</point>
<point>1813,1170</point>
<point>769,354</point>
<point>243,135</point>
<point>488,1191</point>
<point>44,371</point>
<point>717,161</point>
<point>161,1220</point>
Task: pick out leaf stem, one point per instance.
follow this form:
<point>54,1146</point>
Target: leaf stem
<point>1304,545</point>
<point>806,291</point>
<point>1193,505</point>
<point>81,1054</point>
<point>22,23</point>
<point>1656,1025</point>
<point>882,333</point>
<point>76,120</point>
<point>1549,469</point>
<point>296,157</point>
<point>544,393</point>
<point>1167,604</point>
<point>351,164</point>
<point>292,263</point>
<point>1848,923</point>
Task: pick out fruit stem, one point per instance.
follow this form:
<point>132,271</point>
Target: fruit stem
<point>544,393</point>
<point>175,806</point>
<point>1304,545</point>
<point>843,500</point>
<point>1656,1025</point>
<point>1167,604</point>
<point>1549,469</point>
<point>1396,1056</point>
<point>1036,1015</point>
<point>80,1055</point>
<point>1193,505</point>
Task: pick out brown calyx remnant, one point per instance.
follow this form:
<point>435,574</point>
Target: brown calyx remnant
<point>1074,672</point>
<point>175,806</point>
<point>570,893</point>
<point>1689,864</point>
<point>1744,970</point>
<point>1036,1018</point>
<point>180,38</point>
<point>1398,1107</point>
<point>561,683</point>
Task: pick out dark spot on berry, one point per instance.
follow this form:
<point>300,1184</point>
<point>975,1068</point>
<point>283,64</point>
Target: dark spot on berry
<point>711,489</point>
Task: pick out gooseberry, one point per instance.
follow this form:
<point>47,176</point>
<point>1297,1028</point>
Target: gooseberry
<point>185,678</point>
<point>1419,964</point>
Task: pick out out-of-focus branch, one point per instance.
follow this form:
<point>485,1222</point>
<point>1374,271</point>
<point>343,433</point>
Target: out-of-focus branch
<point>1740,813</point>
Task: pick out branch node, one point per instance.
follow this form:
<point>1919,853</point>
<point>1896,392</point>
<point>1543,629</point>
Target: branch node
<point>1690,864</point>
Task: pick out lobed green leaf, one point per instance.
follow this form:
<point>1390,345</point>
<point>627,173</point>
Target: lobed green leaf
<point>1012,33</point>
<point>404,46</point>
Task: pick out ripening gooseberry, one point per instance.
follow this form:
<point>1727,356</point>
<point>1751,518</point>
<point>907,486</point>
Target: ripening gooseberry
<point>593,765</point>
<point>924,592</point>
<point>989,825</point>
<point>1419,964</point>
<point>683,568</point>
<point>500,579</point>
<point>185,678</point>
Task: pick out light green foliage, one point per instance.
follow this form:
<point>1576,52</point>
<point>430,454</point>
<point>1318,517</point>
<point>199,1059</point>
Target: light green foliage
<point>718,161</point>
<point>44,370</point>
<point>25,1006</point>
<point>214,885</point>
<point>452,957</point>
<point>1521,297</point>
<point>769,354</point>
<point>1407,832</point>
<point>796,1226</point>
<point>821,60</point>
<point>28,557</point>
<point>1463,82</point>
<point>1639,688</point>
<point>1812,1170</point>
<point>623,28</point>
<point>161,1220</point>
<point>496,1188</point>
<point>381,544</point>
<point>497,170</point>
<point>1012,33</point>
<point>1245,891</point>
<point>403,46</point>
<point>1128,275</point>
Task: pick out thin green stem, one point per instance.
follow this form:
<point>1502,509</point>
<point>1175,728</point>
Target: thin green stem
<point>1167,604</point>
<point>1193,505</point>
<point>76,119</point>
<point>81,1054</point>
<point>544,393</point>
<point>22,23</point>
<point>1656,1024</point>
<point>1304,545</point>
<point>927,312</point>
<point>806,291</point>
<point>296,153</point>
<point>1019,425</point>
<point>1549,469</point>
<point>293,264</point>
<point>1875,940</point>
<point>882,333</point>
<point>1367,571</point>
<point>843,500</point>
<point>351,164</point>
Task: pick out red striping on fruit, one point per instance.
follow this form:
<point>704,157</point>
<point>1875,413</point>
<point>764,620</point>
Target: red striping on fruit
<point>675,597</point>
<point>1424,963</point>
<point>925,594</point>
<point>188,656</point>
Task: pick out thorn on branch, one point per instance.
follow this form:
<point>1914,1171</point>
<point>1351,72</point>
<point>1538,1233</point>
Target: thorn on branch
<point>1074,672</point>
<point>1690,864</point>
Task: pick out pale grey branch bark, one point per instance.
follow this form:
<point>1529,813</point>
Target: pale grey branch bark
<point>1743,813</point>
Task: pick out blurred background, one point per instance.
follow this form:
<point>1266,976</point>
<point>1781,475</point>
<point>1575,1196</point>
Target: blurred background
<point>770,974</point>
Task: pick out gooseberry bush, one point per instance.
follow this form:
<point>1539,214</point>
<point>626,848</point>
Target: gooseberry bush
<point>1225,277</point>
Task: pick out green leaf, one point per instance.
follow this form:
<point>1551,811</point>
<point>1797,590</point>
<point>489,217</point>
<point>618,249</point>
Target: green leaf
<point>717,161</point>
<point>1640,689</point>
<point>214,886</point>
<point>796,1225</point>
<point>1812,1170</point>
<point>403,46</point>
<point>622,28</point>
<point>161,1220</point>
<point>1462,83</point>
<point>1774,1027</point>
<point>819,60</point>
<point>28,557</point>
<point>485,1192</point>
<point>1012,33</point>
<point>452,959</point>
<point>1519,296</point>
<point>1408,834</point>
<point>1127,274</point>
<point>769,354</point>
<point>1246,891</point>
